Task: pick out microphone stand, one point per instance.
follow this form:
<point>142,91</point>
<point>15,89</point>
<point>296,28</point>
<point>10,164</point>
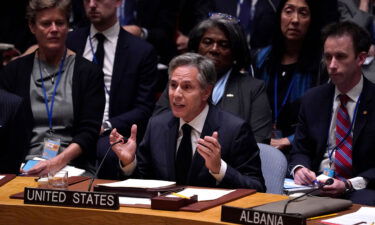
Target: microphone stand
<point>101,163</point>
<point>328,182</point>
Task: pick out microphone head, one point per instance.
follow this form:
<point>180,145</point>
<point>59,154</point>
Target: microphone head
<point>329,181</point>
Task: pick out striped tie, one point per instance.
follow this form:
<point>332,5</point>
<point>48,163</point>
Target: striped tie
<point>344,141</point>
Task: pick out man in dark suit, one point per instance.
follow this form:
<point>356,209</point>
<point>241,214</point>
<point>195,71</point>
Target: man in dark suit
<point>130,73</point>
<point>335,134</point>
<point>13,135</point>
<point>194,143</point>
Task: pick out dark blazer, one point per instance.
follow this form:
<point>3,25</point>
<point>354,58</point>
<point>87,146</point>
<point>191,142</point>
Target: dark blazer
<point>245,97</point>
<point>13,135</point>
<point>264,20</point>
<point>311,136</point>
<point>87,95</point>
<point>134,78</point>
<point>156,153</point>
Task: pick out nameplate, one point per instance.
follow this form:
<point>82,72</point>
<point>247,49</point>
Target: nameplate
<point>255,217</point>
<point>82,199</point>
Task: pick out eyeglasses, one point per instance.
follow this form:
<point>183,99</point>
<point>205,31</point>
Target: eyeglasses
<point>223,16</point>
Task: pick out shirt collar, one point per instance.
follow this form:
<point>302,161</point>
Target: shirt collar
<point>198,122</point>
<point>111,33</point>
<point>354,93</point>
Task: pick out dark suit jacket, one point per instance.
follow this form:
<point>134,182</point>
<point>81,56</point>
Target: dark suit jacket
<point>264,20</point>
<point>87,95</point>
<point>156,153</point>
<point>13,135</point>
<point>311,136</point>
<point>133,82</point>
<point>243,96</point>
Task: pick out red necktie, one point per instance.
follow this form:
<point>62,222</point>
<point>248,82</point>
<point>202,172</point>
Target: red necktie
<point>344,141</point>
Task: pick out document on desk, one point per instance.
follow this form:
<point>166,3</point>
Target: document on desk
<point>1,177</point>
<point>290,187</point>
<point>140,183</point>
<point>203,194</point>
<point>134,201</point>
<point>365,215</point>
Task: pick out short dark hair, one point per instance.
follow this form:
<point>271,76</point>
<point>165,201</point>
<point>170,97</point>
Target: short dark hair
<point>360,37</point>
<point>233,31</point>
<point>36,6</point>
<point>206,68</point>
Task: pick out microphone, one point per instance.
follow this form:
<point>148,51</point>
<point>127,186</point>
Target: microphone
<point>101,162</point>
<point>328,182</point>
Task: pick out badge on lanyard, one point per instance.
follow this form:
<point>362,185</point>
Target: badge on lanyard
<point>51,147</point>
<point>329,172</point>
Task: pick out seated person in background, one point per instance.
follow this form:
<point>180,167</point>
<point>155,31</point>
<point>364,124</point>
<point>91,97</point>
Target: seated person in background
<point>130,74</point>
<point>335,133</point>
<point>290,66</point>
<point>63,93</point>
<point>13,135</point>
<point>362,13</point>
<point>195,143</point>
<point>221,39</point>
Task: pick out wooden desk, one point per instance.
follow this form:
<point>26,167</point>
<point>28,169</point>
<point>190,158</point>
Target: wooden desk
<point>13,211</point>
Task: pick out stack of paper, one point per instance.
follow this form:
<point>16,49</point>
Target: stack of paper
<point>365,215</point>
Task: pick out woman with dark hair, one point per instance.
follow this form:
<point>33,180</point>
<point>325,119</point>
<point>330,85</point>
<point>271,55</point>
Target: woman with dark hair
<point>290,66</point>
<point>221,39</point>
<point>63,93</point>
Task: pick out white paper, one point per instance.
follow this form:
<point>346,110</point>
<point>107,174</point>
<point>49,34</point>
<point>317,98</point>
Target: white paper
<point>366,215</point>
<point>1,177</point>
<point>133,201</point>
<point>203,194</point>
<point>140,183</point>
<point>73,171</point>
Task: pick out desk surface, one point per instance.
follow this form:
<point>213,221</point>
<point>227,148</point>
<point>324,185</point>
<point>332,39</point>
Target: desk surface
<point>13,211</point>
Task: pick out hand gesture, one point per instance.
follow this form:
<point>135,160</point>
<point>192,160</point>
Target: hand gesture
<point>335,189</point>
<point>209,148</point>
<point>304,176</point>
<point>124,151</point>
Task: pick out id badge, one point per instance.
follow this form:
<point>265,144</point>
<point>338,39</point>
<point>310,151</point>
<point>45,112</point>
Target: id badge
<point>329,172</point>
<point>51,147</point>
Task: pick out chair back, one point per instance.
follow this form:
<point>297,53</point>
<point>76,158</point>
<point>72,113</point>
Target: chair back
<point>274,167</point>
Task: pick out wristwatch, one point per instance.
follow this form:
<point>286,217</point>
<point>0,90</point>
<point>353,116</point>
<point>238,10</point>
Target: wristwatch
<point>107,126</point>
<point>348,186</point>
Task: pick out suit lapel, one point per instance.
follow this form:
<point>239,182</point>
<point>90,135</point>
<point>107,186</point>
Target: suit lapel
<point>209,127</point>
<point>120,62</point>
<point>81,42</point>
<point>362,112</point>
<point>171,138</point>
<point>325,103</point>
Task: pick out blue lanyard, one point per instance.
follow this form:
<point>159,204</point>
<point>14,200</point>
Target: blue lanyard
<point>347,134</point>
<point>50,109</point>
<point>276,110</point>
<point>95,60</point>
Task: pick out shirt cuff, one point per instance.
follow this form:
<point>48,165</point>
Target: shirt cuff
<point>144,33</point>
<point>294,168</point>
<point>291,138</point>
<point>358,183</point>
<point>219,176</point>
<point>128,169</point>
